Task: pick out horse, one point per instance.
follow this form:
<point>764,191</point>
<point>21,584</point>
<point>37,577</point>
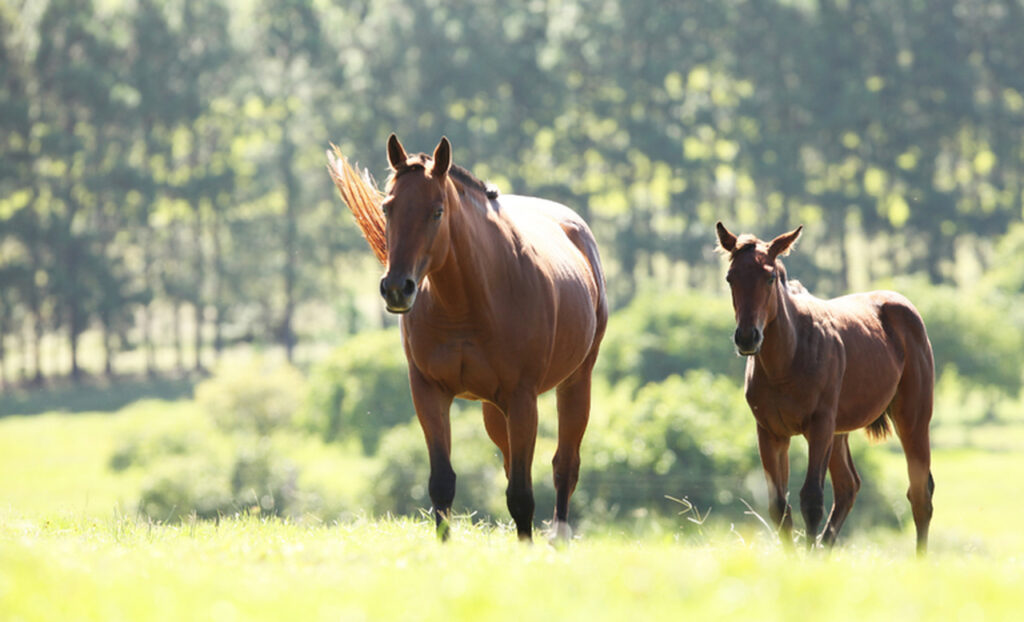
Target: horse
<point>501,298</point>
<point>822,369</point>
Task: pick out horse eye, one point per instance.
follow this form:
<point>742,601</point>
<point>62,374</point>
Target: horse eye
<point>771,278</point>
<point>438,211</point>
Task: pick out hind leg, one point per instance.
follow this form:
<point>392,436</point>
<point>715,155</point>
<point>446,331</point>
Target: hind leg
<point>911,414</point>
<point>845,484</point>
<point>497,429</point>
<point>573,414</point>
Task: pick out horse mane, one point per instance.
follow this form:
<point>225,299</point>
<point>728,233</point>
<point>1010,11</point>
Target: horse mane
<point>363,198</point>
<point>462,176</point>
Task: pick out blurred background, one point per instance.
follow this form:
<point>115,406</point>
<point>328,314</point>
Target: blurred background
<point>189,318</point>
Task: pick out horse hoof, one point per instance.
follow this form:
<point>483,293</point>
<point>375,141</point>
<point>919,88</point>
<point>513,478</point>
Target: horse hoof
<point>561,533</point>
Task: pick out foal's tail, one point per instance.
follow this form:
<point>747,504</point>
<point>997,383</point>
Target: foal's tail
<point>363,198</point>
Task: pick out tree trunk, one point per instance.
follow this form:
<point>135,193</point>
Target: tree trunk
<point>290,242</point>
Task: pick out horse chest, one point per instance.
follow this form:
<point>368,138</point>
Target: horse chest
<point>459,363</point>
<point>783,407</point>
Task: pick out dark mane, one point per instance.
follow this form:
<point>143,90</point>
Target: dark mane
<point>469,179</point>
<point>419,161</point>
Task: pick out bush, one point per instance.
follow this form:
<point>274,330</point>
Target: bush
<point>257,480</point>
<point>361,390</point>
<point>255,396</point>
<point>979,335</point>
<point>664,334</point>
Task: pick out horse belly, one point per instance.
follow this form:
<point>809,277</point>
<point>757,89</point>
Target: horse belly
<point>869,385</point>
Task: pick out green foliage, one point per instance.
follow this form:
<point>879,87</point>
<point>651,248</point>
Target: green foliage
<point>980,335</point>
<point>686,436</point>
<point>658,335</point>
<point>360,390</point>
<point>254,396</point>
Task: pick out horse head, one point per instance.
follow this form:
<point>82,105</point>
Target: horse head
<point>753,276</point>
<point>419,199</point>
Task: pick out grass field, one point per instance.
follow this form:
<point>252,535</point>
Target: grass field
<point>71,548</point>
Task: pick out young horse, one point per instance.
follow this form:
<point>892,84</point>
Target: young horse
<point>821,369</point>
<point>501,300</point>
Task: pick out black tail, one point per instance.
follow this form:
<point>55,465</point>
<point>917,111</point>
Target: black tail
<point>880,428</point>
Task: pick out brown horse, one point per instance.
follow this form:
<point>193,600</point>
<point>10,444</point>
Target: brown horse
<point>502,298</point>
<point>821,369</point>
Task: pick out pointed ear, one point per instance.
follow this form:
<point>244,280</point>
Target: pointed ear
<point>781,245</point>
<point>726,239</point>
<point>442,158</point>
<point>396,153</point>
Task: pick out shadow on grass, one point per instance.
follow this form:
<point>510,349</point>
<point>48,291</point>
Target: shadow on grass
<point>94,394</point>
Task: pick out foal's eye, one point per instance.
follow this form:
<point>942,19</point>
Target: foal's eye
<point>438,212</point>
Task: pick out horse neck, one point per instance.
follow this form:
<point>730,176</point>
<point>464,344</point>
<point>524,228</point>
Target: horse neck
<point>458,283</point>
<point>780,335</point>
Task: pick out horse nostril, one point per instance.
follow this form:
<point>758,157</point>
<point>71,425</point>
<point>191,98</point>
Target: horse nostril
<point>410,287</point>
<point>383,287</point>
<point>757,335</point>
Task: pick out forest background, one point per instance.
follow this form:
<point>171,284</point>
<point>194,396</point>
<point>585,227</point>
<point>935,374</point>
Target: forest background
<point>168,229</point>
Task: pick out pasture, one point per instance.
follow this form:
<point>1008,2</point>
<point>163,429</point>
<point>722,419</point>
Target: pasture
<point>73,548</point>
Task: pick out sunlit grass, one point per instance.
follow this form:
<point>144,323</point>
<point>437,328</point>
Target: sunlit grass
<point>249,568</point>
<point>72,547</point>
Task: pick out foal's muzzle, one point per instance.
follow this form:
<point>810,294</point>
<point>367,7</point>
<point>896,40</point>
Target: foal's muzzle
<point>748,341</point>
<point>399,293</point>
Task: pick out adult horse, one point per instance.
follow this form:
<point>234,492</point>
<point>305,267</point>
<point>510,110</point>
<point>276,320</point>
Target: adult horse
<point>821,369</point>
<point>502,298</point>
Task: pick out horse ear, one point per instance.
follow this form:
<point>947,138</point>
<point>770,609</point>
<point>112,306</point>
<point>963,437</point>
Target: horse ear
<point>442,158</point>
<point>396,152</point>
<point>781,245</point>
<point>726,239</point>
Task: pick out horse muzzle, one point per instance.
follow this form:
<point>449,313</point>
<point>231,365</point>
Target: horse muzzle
<point>399,293</point>
<point>748,341</point>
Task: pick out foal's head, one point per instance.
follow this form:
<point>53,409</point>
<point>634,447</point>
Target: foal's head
<point>753,277</point>
<point>416,210</point>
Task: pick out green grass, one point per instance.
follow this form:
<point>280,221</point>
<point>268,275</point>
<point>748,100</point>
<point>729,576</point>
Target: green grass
<point>71,547</point>
<point>251,569</point>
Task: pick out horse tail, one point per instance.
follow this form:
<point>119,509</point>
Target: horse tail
<point>363,198</point>
<point>880,428</point>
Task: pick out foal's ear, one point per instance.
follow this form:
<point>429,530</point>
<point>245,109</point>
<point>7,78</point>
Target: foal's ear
<point>726,239</point>
<point>781,245</point>
<point>396,152</point>
<point>442,158</point>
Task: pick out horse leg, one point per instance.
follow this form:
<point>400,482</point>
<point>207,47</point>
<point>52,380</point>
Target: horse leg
<point>522,438</point>
<point>497,429</point>
<point>774,452</point>
<point>573,414</point>
<point>911,414</point>
<point>845,484</point>
<point>812,495</point>
<point>432,409</point>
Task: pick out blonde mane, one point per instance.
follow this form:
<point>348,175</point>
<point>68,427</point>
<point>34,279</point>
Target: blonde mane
<point>363,198</point>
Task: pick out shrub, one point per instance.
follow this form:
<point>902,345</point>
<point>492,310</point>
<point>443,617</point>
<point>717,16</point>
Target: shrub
<point>664,334</point>
<point>361,390</point>
<point>254,396</point>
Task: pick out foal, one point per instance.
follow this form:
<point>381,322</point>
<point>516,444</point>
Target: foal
<point>821,369</point>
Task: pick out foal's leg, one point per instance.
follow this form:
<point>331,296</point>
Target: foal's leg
<point>774,452</point>
<point>845,484</point>
<point>912,413</point>
<point>812,496</point>
<point>573,414</point>
<point>432,409</point>
<point>522,437</point>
